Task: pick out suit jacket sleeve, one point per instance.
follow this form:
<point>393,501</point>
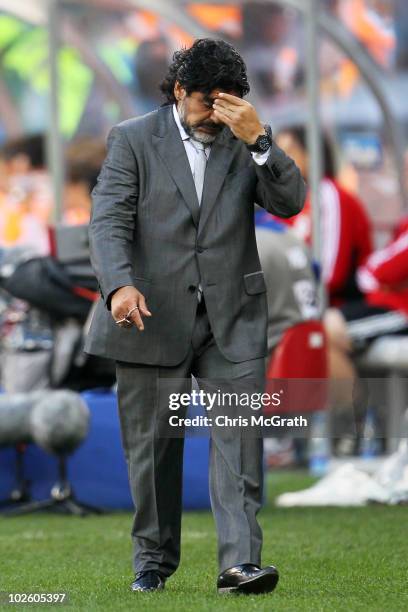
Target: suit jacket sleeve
<point>114,203</point>
<point>281,189</point>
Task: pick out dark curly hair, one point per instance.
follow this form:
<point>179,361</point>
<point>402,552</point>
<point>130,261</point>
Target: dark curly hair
<point>207,65</point>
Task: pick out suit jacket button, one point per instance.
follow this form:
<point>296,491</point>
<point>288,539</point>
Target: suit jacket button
<point>192,288</point>
<point>200,249</point>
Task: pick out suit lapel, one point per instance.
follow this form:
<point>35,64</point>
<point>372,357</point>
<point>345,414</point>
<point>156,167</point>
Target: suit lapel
<point>217,167</point>
<point>171,150</point>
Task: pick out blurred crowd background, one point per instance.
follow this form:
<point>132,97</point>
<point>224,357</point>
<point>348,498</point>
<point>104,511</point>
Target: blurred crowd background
<point>109,60</point>
<point>112,58</point>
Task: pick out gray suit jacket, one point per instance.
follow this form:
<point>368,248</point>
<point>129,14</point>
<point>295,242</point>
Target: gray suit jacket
<point>148,230</point>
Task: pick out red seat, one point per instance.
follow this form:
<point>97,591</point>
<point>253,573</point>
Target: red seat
<point>301,357</point>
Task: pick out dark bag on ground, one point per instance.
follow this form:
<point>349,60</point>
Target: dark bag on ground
<point>44,284</point>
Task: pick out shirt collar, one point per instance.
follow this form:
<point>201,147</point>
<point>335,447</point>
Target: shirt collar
<point>183,133</point>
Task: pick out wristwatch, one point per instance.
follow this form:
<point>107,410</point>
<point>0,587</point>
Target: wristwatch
<point>263,142</point>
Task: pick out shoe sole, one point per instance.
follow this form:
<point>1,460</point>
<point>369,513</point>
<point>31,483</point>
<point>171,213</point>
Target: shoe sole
<point>254,586</point>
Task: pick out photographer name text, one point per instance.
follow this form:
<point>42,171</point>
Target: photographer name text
<point>255,420</point>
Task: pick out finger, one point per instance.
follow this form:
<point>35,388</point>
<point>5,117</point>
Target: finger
<point>225,111</point>
<point>232,99</point>
<point>120,319</point>
<point>124,324</point>
<point>137,320</point>
<point>224,107</point>
<point>223,117</point>
<point>143,307</point>
<point>230,118</point>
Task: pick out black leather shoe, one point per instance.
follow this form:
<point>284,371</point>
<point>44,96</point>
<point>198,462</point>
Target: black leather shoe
<point>248,578</point>
<point>149,580</point>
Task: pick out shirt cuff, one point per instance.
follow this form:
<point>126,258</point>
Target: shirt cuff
<point>260,158</point>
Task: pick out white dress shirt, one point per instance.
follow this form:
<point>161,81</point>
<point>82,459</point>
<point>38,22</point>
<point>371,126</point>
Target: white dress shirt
<point>259,158</point>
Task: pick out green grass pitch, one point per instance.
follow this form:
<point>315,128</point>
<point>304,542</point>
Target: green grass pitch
<point>329,559</point>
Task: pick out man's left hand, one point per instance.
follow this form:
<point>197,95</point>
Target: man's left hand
<point>240,116</point>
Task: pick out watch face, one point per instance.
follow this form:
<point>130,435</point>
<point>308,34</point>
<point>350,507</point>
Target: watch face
<point>264,143</point>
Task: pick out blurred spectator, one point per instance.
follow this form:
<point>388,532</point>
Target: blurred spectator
<point>401,26</point>
<point>273,47</point>
<point>383,309</point>
<point>3,180</point>
<point>26,202</point>
<point>384,277</point>
<point>372,24</point>
<point>330,5</point>
<point>345,227</point>
<point>151,64</point>
<point>225,20</point>
<point>84,159</point>
<point>287,264</point>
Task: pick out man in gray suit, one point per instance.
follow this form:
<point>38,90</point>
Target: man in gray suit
<point>173,247</point>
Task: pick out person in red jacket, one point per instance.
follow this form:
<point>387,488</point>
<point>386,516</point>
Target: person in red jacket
<point>382,310</point>
<point>345,226</point>
<point>383,282</point>
<point>384,277</point>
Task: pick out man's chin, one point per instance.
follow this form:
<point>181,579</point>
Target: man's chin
<point>205,136</point>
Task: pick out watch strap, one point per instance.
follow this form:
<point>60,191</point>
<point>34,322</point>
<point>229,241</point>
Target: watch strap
<point>267,138</point>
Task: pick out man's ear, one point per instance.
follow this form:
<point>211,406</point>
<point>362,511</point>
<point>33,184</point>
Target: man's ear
<point>179,91</point>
